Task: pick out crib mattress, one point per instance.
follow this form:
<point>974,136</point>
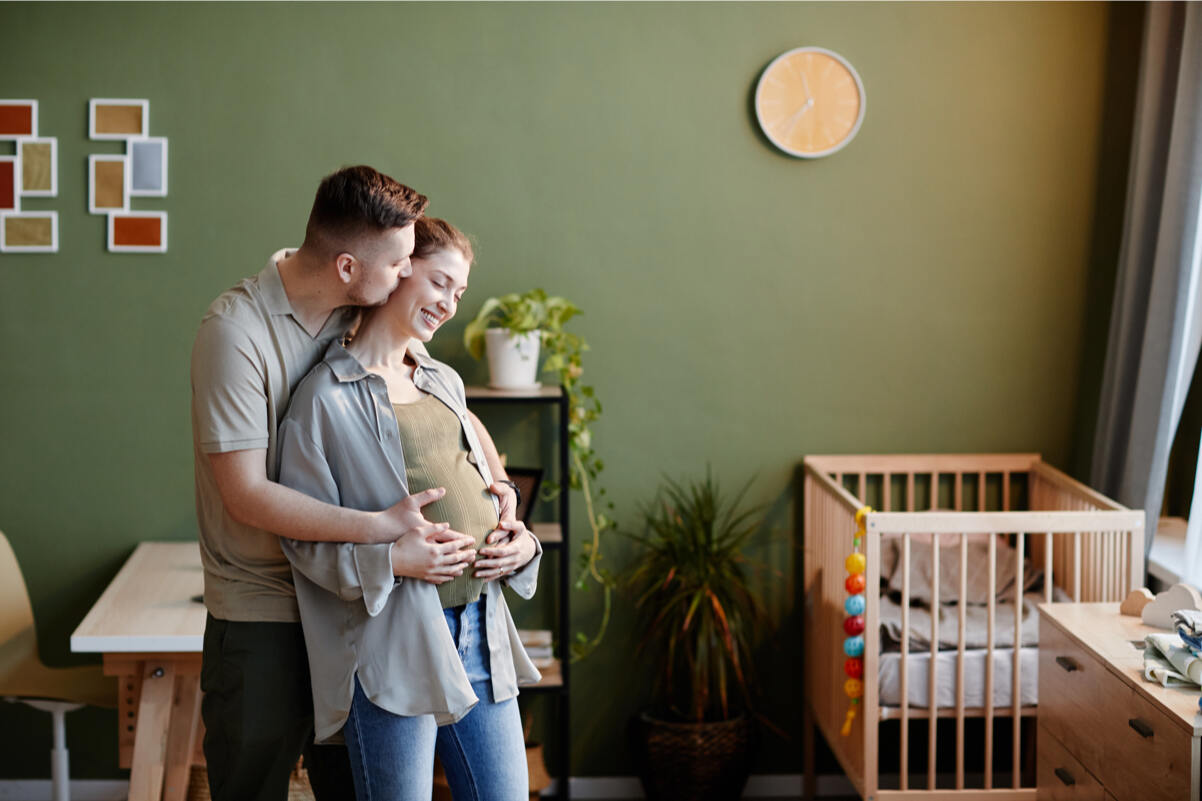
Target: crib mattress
<point>945,677</point>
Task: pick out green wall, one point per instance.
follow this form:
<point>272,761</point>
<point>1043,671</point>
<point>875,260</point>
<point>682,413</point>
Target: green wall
<point>923,290</point>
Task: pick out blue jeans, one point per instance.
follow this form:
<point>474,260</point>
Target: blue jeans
<point>484,755</point>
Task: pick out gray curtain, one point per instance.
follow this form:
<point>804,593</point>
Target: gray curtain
<point>1156,322</point>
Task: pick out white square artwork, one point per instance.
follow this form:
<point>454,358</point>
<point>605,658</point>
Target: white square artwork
<point>148,166</point>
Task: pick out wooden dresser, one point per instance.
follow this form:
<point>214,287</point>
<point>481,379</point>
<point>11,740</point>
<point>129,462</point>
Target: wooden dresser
<point>1104,732</point>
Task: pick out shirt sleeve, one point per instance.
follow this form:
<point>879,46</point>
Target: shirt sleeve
<point>349,570</point>
<point>229,388</point>
<point>524,580</point>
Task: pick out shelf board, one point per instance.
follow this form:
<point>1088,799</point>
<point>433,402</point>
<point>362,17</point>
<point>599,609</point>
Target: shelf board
<point>548,533</point>
<point>488,393</point>
<point>552,678</point>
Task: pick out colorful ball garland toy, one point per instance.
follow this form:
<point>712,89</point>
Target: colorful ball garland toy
<point>853,626</point>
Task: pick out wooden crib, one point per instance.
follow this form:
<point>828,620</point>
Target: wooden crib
<point>1086,545</point>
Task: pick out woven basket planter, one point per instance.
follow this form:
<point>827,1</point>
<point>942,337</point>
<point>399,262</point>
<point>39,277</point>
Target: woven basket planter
<point>695,761</point>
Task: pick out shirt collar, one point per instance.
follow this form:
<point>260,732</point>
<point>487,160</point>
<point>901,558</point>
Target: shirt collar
<point>272,286</point>
<point>347,368</point>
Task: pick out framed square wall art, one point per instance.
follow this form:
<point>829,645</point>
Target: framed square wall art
<point>29,232</point>
<point>39,166</point>
<point>18,118</point>
<point>138,232</point>
<point>10,186</point>
<point>108,184</point>
<point>148,166</point>
<point>110,118</point>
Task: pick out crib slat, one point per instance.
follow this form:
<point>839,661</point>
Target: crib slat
<point>905,654</point>
<point>1047,569</point>
<point>863,485</point>
<point>934,491</point>
<point>1006,491</point>
<point>961,603</point>
<point>991,602</point>
<point>933,670</point>
<point>959,491</point>
<point>1016,671</point>
<point>981,491</point>
<point>887,492</point>
<point>1076,567</point>
<point>910,492</point>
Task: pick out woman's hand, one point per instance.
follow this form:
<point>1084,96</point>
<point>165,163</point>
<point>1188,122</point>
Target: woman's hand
<point>507,499</point>
<point>432,552</point>
<point>507,549</point>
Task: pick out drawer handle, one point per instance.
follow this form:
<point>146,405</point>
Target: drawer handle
<point>1065,777</point>
<point>1141,727</point>
<point>1068,663</point>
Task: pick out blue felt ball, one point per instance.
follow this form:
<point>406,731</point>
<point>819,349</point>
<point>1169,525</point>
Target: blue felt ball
<point>854,605</point>
<point>854,646</point>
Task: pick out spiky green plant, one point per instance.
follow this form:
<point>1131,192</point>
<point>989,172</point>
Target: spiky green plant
<point>699,616</point>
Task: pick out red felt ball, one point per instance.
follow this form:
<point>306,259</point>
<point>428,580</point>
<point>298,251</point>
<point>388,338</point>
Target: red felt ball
<point>854,625</point>
<point>855,584</point>
<point>854,668</point>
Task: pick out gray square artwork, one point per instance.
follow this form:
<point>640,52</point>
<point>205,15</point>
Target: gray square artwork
<point>149,171</point>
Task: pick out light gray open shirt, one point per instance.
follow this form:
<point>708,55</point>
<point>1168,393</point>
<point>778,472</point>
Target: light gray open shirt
<point>339,444</point>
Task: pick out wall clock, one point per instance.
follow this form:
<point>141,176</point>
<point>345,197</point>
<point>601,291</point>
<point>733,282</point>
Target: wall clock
<point>809,102</point>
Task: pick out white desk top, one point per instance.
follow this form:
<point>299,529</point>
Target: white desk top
<point>148,606</point>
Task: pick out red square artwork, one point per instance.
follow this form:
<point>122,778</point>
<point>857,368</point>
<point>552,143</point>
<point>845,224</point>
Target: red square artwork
<point>8,182</point>
<point>138,231</point>
<point>16,119</point>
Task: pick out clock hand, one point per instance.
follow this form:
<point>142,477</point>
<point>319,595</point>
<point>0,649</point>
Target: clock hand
<point>805,83</point>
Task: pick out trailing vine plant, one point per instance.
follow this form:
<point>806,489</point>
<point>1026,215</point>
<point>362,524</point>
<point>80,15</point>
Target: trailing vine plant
<point>535,310</point>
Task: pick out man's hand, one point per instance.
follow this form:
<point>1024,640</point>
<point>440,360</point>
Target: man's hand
<point>404,516</point>
<point>432,552</point>
<point>507,549</point>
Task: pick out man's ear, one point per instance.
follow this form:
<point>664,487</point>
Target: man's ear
<point>346,264</point>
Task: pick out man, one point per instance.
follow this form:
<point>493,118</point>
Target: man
<point>254,345</point>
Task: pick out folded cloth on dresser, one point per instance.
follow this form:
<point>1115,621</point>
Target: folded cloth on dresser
<point>976,624</point>
<point>1168,661</point>
<point>1189,626</point>
<point>922,569</point>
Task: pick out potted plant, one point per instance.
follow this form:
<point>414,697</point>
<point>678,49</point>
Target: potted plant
<point>541,317</point>
<point>511,328</point>
<point>698,625</point>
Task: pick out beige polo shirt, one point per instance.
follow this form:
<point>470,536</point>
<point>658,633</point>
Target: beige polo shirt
<point>248,357</point>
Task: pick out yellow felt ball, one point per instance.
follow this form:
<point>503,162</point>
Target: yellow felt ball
<point>854,688</point>
<point>860,514</point>
<point>855,563</point>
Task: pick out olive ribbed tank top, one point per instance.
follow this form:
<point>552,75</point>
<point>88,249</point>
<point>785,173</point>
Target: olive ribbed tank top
<point>436,455</point>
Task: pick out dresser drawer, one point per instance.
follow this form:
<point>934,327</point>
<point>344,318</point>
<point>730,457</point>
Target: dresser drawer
<point>1130,746</point>
<point>1061,777</point>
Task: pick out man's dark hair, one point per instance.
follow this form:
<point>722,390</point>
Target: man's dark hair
<point>358,200</point>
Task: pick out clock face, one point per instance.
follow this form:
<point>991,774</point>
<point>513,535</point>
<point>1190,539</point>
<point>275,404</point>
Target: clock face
<point>809,102</point>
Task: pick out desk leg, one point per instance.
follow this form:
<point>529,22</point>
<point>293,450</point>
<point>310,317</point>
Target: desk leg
<point>181,737</point>
<point>150,740</point>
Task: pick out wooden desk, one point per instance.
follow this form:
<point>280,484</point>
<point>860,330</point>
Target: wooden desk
<point>151,633</point>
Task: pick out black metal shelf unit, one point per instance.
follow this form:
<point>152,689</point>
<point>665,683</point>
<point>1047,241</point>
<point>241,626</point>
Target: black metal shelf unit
<point>551,541</point>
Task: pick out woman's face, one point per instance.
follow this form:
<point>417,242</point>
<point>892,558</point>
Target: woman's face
<point>429,297</point>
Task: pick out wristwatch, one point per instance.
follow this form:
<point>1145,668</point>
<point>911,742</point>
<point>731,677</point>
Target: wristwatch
<point>517,493</point>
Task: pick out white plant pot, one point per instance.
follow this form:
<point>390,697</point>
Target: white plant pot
<point>512,358</point>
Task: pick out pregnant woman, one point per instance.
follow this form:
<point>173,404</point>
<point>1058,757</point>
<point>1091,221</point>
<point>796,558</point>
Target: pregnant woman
<point>411,647</point>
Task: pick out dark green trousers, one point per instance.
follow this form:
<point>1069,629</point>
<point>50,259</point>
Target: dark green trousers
<point>258,715</point>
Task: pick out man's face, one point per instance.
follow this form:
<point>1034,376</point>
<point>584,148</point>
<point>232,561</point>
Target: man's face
<point>382,261</point>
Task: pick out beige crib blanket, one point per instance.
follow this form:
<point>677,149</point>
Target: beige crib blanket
<point>947,616</point>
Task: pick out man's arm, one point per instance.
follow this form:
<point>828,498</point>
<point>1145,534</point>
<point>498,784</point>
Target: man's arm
<point>254,500</point>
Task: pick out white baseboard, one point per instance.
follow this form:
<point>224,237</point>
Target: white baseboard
<point>81,790</point>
